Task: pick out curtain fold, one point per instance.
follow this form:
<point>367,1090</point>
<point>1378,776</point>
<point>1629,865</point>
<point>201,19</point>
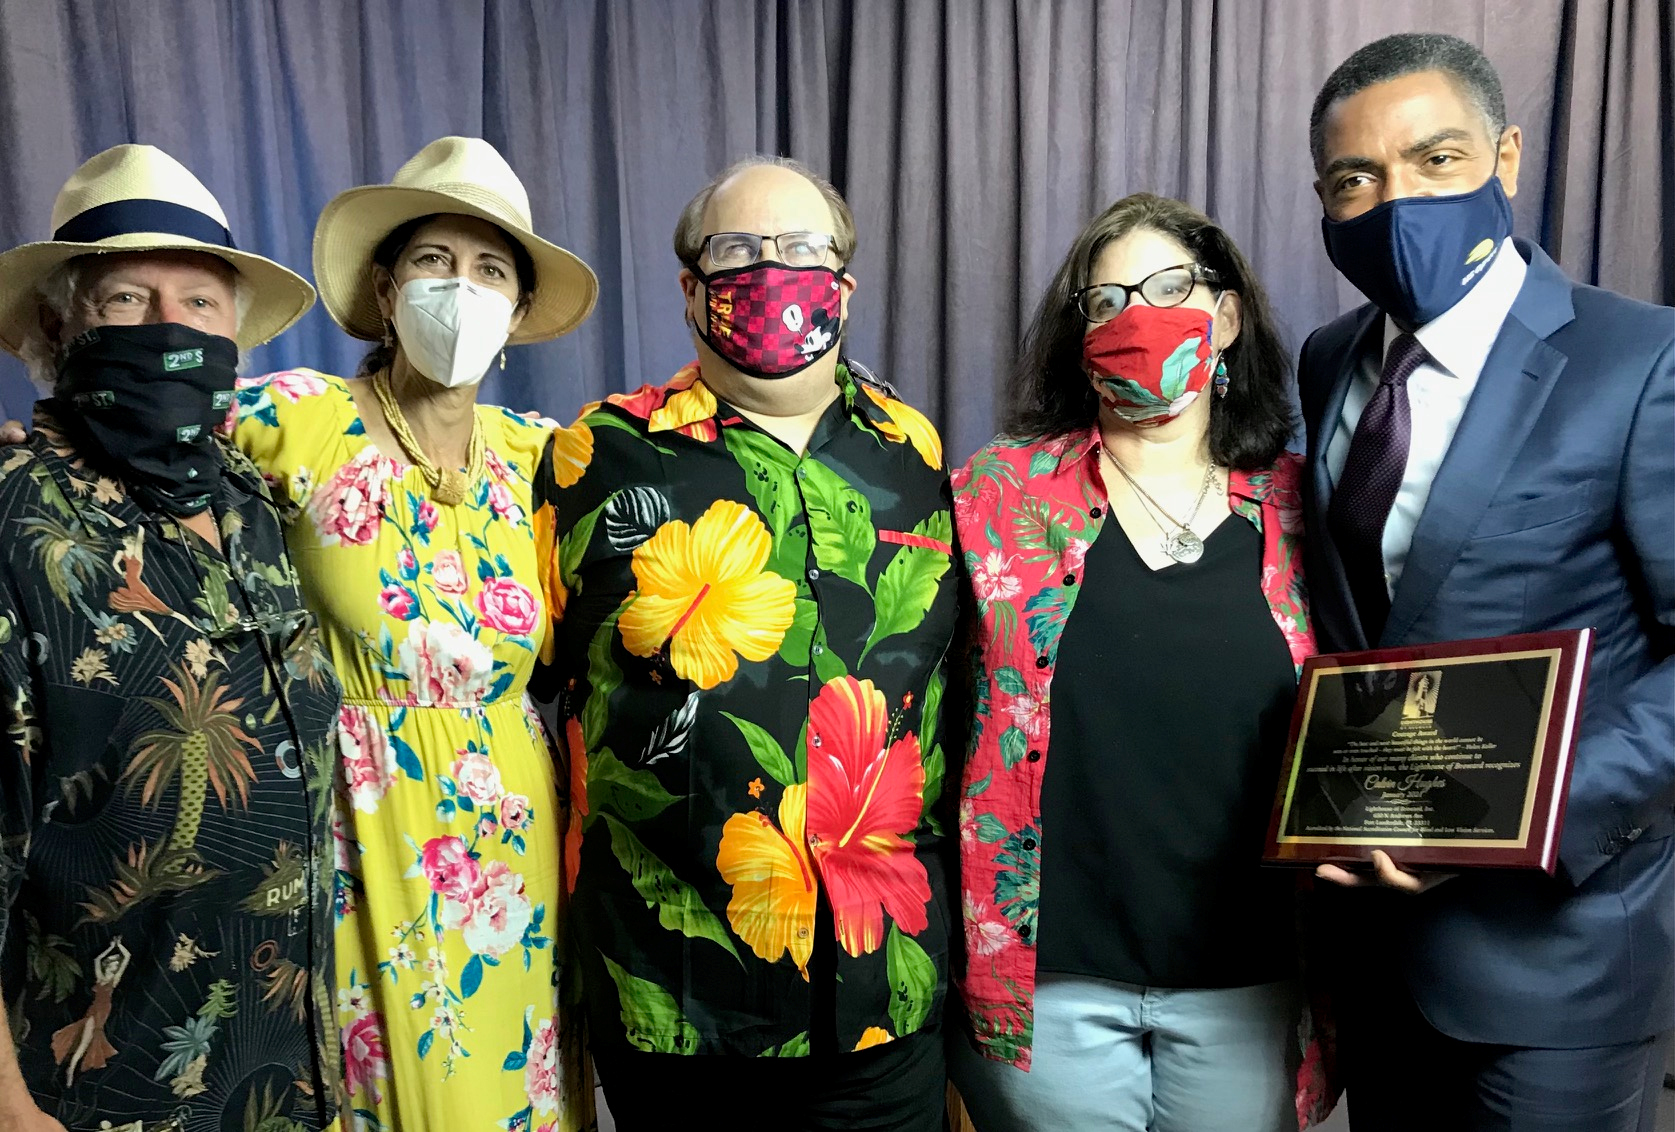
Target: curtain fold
<point>972,137</point>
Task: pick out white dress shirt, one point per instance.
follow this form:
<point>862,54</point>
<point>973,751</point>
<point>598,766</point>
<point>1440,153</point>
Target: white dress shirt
<point>1458,342</point>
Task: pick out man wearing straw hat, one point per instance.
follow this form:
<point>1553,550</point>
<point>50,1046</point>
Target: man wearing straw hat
<point>164,768</point>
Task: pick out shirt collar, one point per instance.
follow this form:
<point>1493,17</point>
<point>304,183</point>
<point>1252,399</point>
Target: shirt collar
<point>686,403</point>
<point>1460,338</point>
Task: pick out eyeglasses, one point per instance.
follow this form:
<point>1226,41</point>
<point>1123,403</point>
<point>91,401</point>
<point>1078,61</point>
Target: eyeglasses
<point>741,249</point>
<point>1169,287</point>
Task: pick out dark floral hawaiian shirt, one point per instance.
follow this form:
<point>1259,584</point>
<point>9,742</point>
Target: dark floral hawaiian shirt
<point>164,793</point>
<point>749,671</point>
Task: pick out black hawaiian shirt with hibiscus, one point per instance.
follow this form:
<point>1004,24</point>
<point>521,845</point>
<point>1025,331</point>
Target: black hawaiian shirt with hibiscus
<point>165,797</point>
<point>748,666</point>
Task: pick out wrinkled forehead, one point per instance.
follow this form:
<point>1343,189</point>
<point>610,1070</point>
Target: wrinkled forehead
<point>159,269</point>
<point>767,199</point>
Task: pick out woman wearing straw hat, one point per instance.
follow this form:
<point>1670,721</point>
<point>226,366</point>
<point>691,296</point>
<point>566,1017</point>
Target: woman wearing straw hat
<point>410,522</point>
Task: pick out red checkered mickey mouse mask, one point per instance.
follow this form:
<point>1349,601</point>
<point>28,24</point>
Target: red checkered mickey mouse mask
<point>769,320</point>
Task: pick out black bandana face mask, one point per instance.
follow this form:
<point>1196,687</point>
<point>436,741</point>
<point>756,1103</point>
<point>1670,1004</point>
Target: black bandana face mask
<point>146,400</point>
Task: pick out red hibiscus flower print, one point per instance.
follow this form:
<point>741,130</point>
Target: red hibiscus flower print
<point>865,792</point>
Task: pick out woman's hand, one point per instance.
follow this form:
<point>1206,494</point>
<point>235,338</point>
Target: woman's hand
<point>1386,874</point>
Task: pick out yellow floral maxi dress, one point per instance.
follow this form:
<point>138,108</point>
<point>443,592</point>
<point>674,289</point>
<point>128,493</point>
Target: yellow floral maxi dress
<point>448,853</point>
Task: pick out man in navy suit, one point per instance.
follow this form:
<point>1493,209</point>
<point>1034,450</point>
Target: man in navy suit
<point>1492,451</point>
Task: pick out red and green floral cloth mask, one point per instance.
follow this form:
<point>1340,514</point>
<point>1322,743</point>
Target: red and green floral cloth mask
<point>1150,363</point>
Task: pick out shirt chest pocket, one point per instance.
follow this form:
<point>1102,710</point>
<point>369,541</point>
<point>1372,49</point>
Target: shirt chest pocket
<point>84,727</point>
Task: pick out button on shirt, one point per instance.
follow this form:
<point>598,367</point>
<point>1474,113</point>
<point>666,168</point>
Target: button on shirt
<point>1458,343</point>
<point>748,667</point>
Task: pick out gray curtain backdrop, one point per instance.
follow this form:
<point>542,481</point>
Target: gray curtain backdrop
<point>972,137</point>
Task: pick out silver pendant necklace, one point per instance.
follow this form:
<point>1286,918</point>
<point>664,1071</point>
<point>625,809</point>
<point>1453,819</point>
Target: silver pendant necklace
<point>1182,544</point>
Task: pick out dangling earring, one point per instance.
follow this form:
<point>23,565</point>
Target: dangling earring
<point>1221,379</point>
<point>389,336</point>
<point>503,358</point>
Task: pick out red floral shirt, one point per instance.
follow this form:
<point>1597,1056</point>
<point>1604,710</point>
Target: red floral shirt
<point>1026,513</point>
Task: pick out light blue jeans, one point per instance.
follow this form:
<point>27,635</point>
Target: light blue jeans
<point>1112,1056</point>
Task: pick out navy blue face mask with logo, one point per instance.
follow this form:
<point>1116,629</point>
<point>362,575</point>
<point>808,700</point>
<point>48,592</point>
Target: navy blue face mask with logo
<point>143,402</point>
<point>1416,257</point>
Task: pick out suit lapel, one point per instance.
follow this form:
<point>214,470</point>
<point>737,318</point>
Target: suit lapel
<point>1516,380</point>
<point>1320,495</point>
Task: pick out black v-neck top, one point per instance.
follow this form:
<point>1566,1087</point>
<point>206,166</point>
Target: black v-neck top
<point>1170,705</point>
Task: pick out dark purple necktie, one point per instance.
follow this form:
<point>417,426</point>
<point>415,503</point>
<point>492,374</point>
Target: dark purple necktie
<point>1371,476</point>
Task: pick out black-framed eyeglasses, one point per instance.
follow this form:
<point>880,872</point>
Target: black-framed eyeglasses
<point>741,249</point>
<point>1169,287</point>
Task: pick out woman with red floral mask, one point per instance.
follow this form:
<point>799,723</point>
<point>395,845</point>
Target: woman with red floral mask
<point>1129,963</point>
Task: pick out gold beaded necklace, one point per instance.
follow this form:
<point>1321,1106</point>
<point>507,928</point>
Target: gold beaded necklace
<point>447,485</point>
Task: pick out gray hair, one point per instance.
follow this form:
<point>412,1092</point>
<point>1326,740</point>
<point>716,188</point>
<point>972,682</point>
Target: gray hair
<point>689,229</point>
<point>1411,53</point>
<point>57,293</point>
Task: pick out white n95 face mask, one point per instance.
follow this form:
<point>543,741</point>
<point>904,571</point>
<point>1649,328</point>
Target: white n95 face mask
<point>451,329</point>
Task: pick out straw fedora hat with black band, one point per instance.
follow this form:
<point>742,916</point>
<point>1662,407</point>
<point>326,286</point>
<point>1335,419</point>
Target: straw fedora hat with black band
<point>136,198</point>
<point>464,176</point>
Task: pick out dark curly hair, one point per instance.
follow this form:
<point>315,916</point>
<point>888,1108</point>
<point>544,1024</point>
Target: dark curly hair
<point>1051,394</point>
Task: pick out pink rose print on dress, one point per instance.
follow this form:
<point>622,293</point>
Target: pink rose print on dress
<point>540,1073</point>
<point>450,869</point>
<point>447,573</point>
<point>398,602</point>
<point>428,516</point>
<point>493,922</point>
<point>364,1061</point>
<point>444,665</point>
<point>408,563</point>
<point>294,385</point>
<point>368,757</point>
<point>514,812</point>
<point>508,606</point>
<point>505,504</point>
<point>349,507</point>
<point>477,777</point>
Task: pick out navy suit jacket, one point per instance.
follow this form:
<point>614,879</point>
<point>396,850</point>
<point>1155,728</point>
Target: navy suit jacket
<point>1554,508</point>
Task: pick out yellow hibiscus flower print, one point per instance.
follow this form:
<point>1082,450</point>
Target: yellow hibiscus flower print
<point>908,423</point>
<point>572,452</point>
<point>702,590</point>
<point>774,889</point>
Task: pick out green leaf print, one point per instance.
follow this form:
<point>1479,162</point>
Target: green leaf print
<point>912,977</point>
<point>679,907</point>
<point>794,649</point>
<point>1042,462</point>
<point>632,795</point>
<point>574,544</point>
<point>796,1046</point>
<point>603,678</point>
<point>1012,746</point>
<point>1009,680</point>
<point>840,523</point>
<point>936,766</point>
<point>828,665</point>
<point>1177,368</point>
<point>773,484</point>
<point>650,1015</point>
<point>767,750</point>
<point>908,585</point>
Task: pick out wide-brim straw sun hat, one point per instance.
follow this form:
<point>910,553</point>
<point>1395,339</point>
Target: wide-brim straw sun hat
<point>136,198</point>
<point>463,176</point>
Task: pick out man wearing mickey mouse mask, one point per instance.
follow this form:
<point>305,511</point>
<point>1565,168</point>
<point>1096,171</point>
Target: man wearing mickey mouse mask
<point>751,568</point>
